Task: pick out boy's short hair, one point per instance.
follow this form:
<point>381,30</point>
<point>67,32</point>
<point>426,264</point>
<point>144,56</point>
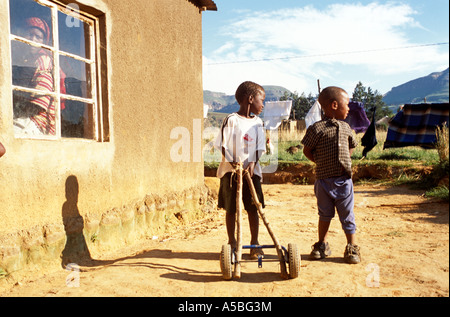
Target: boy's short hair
<point>247,89</point>
<point>330,94</point>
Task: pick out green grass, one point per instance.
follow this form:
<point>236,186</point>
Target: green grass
<point>440,192</point>
<point>3,273</point>
<point>284,156</point>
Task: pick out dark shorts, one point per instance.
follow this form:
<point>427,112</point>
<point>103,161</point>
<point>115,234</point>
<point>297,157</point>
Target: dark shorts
<point>227,193</point>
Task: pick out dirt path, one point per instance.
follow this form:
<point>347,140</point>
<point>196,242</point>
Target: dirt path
<point>404,243</point>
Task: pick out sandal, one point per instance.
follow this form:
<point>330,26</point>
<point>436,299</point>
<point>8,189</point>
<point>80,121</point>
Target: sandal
<point>255,253</point>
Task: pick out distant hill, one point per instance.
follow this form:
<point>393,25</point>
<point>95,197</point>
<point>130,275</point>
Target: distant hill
<point>220,102</point>
<point>434,88</point>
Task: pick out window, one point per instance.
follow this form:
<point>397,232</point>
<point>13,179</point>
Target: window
<point>57,89</point>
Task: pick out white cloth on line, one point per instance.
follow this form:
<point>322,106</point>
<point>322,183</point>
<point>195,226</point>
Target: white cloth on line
<point>275,112</point>
<point>314,114</point>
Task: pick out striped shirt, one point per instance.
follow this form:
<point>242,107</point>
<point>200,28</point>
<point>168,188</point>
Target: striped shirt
<point>43,80</point>
<point>330,141</point>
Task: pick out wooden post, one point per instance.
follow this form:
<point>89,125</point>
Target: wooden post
<point>237,264</point>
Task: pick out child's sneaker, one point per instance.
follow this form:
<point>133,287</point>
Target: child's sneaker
<point>320,250</point>
<point>352,254</point>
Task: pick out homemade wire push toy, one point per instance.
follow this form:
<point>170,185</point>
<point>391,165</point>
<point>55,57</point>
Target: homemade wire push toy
<point>232,257</point>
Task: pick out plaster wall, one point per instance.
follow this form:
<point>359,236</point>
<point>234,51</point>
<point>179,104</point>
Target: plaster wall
<point>154,72</point>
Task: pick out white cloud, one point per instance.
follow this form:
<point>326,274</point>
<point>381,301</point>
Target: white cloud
<point>226,47</point>
<point>310,31</point>
<point>324,39</point>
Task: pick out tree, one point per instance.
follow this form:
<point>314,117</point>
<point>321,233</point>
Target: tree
<point>371,99</point>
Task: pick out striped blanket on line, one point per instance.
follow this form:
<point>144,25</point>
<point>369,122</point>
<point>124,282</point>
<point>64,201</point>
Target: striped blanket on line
<point>416,125</point>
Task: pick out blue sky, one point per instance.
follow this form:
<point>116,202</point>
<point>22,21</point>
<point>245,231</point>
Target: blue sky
<point>293,43</point>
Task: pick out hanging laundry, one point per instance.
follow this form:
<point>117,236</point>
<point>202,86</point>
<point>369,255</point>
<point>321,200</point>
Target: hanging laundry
<point>314,114</point>
<point>357,118</point>
<point>416,125</point>
<point>275,112</point>
<point>369,140</point>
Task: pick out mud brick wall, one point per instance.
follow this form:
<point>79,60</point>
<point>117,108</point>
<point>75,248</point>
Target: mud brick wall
<point>82,240</point>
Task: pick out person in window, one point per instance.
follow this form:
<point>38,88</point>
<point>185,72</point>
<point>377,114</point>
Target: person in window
<point>35,113</point>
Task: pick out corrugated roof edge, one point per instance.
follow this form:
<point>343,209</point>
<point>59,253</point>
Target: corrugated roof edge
<point>207,4</point>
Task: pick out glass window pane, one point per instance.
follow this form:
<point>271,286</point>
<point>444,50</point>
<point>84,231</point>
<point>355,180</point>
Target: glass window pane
<point>32,66</point>
<point>73,35</point>
<point>31,20</point>
<point>77,77</point>
<point>33,69</point>
<point>77,120</point>
<point>33,114</point>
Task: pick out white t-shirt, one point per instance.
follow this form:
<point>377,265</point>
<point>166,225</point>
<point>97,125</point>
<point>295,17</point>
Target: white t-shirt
<point>241,137</point>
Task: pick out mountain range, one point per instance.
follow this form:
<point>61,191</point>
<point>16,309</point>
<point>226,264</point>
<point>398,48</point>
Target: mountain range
<point>220,102</point>
<point>433,88</point>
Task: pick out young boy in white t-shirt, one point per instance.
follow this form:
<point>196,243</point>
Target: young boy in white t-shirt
<point>242,139</point>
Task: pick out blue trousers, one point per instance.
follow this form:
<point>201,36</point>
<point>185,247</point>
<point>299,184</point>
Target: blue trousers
<point>336,194</point>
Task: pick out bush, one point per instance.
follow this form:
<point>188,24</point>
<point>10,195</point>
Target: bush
<point>442,142</point>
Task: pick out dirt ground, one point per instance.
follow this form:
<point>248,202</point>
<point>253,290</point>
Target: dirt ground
<point>404,242</point>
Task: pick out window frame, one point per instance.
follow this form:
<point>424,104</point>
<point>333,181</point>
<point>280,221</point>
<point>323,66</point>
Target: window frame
<point>99,114</point>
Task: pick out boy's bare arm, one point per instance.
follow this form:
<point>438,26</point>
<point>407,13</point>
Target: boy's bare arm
<point>251,165</point>
<point>228,157</point>
<point>308,153</point>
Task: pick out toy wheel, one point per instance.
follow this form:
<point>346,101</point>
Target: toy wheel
<point>225,262</point>
<point>294,260</point>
